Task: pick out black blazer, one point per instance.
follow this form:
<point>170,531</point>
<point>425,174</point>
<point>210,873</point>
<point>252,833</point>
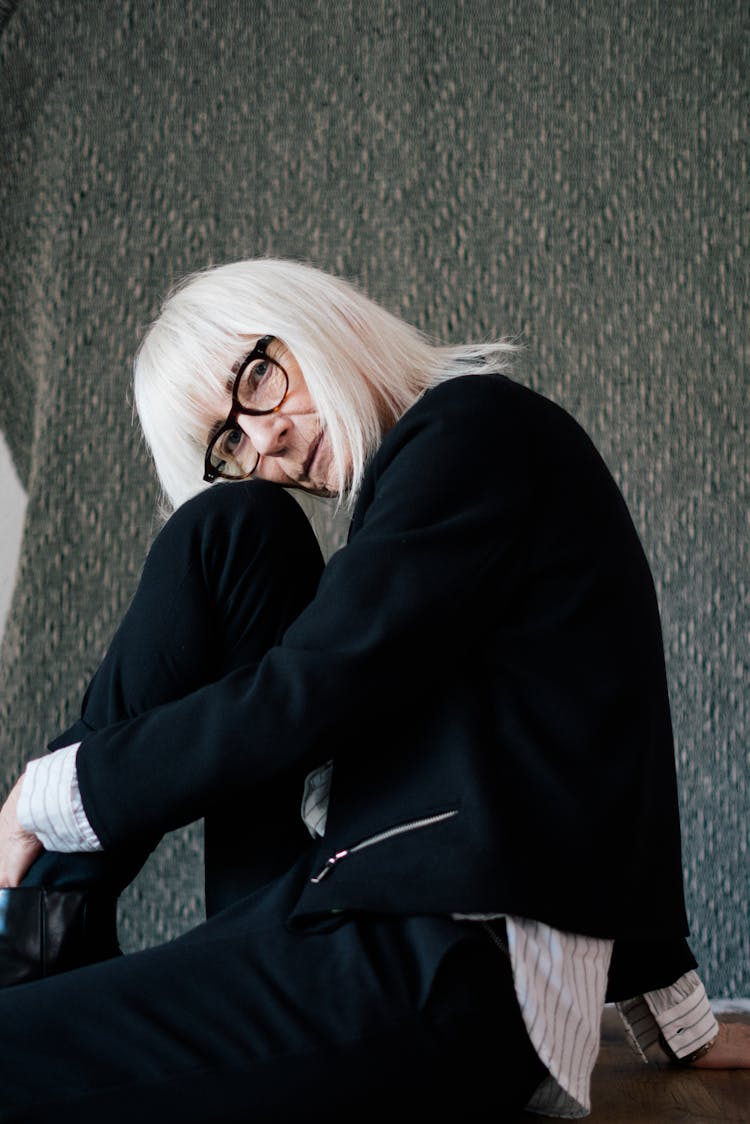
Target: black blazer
<point>484,663</point>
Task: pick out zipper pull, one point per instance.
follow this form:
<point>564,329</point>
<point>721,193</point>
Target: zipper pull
<point>329,866</point>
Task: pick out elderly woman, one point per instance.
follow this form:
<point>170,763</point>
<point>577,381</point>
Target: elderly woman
<point>437,775</point>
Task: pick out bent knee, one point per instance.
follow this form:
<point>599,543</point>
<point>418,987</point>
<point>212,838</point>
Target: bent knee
<point>250,513</point>
<point>235,501</point>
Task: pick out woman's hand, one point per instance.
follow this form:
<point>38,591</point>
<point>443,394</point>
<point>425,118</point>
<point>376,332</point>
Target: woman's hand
<point>731,1050</point>
<point>18,848</point>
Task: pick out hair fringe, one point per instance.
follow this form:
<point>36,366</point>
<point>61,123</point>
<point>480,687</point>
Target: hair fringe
<point>363,366</point>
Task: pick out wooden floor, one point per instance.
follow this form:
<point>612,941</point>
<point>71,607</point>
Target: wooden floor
<point>625,1091</point>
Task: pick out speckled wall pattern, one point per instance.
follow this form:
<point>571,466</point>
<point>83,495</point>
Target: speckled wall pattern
<point>573,172</point>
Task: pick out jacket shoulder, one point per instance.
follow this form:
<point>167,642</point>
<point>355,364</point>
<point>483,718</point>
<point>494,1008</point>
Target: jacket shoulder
<point>488,412</point>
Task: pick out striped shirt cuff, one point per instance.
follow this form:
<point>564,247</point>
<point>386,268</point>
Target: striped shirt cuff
<point>681,1014</point>
<point>50,804</point>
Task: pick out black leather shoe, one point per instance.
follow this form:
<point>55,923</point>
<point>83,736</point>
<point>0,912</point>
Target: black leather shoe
<point>45,931</point>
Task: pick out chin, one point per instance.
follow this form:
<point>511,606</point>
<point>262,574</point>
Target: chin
<point>325,491</point>
<point>322,491</point>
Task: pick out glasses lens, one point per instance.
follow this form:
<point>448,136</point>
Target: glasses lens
<point>231,455</point>
<point>262,385</point>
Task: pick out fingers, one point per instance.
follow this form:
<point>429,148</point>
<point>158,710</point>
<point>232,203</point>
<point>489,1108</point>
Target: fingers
<point>731,1050</point>
<point>18,848</point>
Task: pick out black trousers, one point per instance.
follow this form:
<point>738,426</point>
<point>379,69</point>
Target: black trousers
<point>245,1017</point>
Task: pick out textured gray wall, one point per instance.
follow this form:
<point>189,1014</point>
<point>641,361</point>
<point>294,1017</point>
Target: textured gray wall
<point>574,172</point>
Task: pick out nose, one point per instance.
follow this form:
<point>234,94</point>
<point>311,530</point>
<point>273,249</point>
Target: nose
<point>267,434</point>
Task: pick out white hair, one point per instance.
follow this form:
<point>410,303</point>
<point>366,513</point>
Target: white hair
<point>363,366</point>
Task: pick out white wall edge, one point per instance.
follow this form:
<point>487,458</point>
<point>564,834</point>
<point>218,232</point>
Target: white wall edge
<point>12,514</point>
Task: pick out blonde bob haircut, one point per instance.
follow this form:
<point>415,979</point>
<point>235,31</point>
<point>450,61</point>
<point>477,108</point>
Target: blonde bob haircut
<point>363,366</point>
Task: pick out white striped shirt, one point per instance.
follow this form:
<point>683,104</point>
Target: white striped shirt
<point>560,978</point>
<point>50,804</point>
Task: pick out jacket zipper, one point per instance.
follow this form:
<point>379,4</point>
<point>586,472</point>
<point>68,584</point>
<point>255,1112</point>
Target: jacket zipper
<point>413,825</point>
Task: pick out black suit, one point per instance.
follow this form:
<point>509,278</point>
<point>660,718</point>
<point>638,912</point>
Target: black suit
<point>483,662</point>
<point>489,642</point>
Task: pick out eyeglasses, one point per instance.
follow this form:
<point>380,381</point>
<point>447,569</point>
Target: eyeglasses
<point>260,387</point>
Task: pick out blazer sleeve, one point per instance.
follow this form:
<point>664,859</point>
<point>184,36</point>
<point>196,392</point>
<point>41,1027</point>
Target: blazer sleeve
<point>437,534</point>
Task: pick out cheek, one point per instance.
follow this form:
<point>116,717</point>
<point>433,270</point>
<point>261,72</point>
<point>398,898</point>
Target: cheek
<point>329,479</point>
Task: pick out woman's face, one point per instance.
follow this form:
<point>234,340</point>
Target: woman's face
<point>294,449</point>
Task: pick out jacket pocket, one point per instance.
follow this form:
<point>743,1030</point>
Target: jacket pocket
<point>372,840</point>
